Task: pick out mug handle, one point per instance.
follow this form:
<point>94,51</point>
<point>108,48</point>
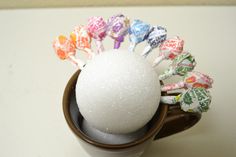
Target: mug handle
<point>177,121</point>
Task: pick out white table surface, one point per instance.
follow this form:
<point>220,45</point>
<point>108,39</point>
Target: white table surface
<point>32,79</point>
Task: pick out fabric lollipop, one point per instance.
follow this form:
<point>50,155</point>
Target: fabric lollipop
<point>65,49</point>
<point>156,36</point>
<point>97,27</point>
<point>192,79</point>
<point>169,49</point>
<point>117,28</point>
<point>82,40</point>
<point>182,64</point>
<point>192,100</point>
<point>138,32</point>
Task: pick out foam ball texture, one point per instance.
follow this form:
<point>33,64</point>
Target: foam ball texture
<point>108,138</point>
<point>118,92</point>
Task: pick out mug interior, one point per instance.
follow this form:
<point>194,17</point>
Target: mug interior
<point>74,119</point>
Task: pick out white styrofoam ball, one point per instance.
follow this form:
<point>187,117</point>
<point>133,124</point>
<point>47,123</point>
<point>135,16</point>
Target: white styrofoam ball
<point>118,92</point>
<point>107,138</point>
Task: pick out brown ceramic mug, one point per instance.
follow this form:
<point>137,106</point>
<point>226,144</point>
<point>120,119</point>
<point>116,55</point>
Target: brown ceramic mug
<point>167,120</point>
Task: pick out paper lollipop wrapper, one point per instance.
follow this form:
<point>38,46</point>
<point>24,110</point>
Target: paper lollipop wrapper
<point>191,100</point>
<point>156,36</point>
<point>138,32</point>
<point>196,79</point>
<point>192,79</point>
<point>182,64</point>
<point>82,40</point>
<point>167,73</point>
<point>65,49</point>
<point>117,28</point>
<point>195,100</point>
<point>173,86</point>
<point>118,42</point>
<point>169,49</point>
<point>170,99</point>
<point>172,47</point>
<point>97,27</point>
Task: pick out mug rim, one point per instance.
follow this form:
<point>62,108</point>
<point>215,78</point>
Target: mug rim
<point>150,134</point>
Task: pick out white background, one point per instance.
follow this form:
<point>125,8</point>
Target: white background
<point>32,79</point>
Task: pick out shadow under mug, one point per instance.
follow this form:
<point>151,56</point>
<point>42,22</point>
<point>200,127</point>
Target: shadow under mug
<point>167,120</point>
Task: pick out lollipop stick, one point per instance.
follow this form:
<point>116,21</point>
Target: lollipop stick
<point>158,60</point>
<point>90,53</point>
<point>132,47</point>
<point>146,51</point>
<point>100,47</point>
<point>77,62</point>
<point>173,86</point>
